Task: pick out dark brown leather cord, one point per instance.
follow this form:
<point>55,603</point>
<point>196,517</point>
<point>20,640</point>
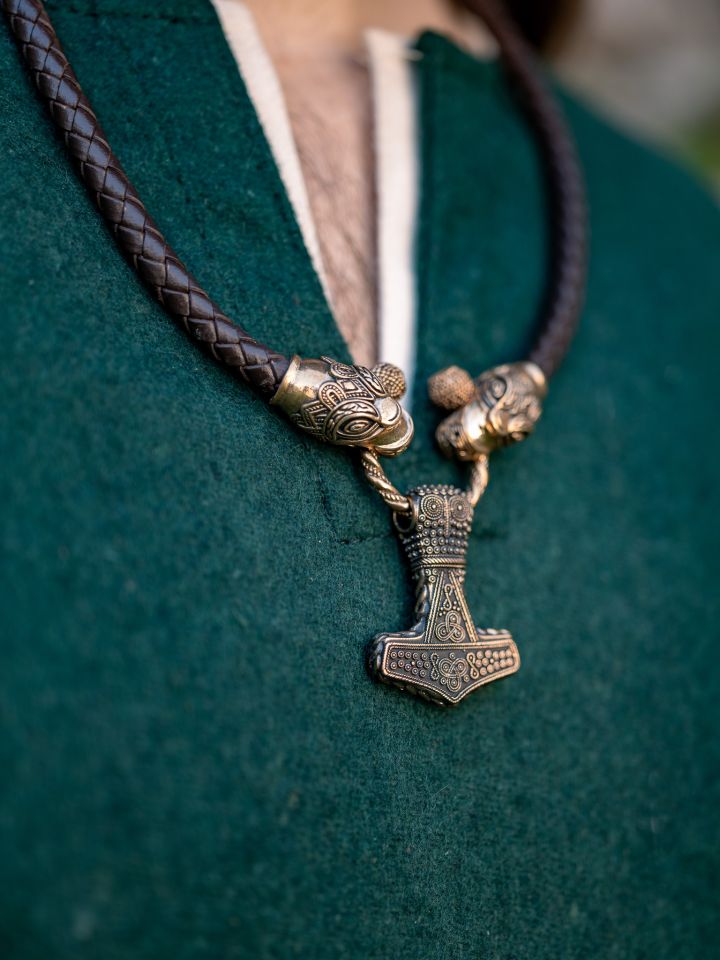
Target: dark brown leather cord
<point>134,230</point>
<point>160,268</point>
<point>565,291</point>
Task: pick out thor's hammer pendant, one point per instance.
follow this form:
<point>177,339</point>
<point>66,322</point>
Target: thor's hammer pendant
<point>445,656</point>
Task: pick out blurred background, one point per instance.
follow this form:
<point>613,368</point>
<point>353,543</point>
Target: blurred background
<point>653,66</point>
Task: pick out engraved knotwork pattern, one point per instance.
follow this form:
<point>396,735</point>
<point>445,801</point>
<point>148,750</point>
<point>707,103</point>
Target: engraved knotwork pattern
<point>344,404</point>
<point>344,410</point>
<point>449,625</point>
<point>450,671</point>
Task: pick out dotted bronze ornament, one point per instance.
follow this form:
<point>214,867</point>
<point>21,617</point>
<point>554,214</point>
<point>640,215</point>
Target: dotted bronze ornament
<point>451,388</point>
<point>392,378</point>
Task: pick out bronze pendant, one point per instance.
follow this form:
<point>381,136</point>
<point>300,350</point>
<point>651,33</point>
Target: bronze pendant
<point>444,657</point>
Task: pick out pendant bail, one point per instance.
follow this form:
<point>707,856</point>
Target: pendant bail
<point>380,482</point>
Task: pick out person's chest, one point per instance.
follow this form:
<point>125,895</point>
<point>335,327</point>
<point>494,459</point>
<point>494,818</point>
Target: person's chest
<point>334,88</point>
<point>193,583</point>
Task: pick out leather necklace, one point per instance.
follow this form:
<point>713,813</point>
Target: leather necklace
<point>444,656</point>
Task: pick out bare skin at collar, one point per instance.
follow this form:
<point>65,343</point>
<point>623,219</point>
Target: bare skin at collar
<point>318,50</point>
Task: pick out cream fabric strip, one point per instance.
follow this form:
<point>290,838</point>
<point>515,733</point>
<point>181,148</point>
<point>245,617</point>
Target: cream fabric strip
<point>264,89</point>
<point>396,165</point>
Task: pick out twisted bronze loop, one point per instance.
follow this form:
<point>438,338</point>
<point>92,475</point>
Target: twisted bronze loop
<point>380,482</point>
<point>399,502</point>
<point>479,477</point>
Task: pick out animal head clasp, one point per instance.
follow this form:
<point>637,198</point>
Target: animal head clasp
<point>500,407</point>
<point>348,405</point>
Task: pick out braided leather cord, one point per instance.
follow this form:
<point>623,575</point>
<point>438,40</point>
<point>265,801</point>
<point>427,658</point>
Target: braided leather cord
<point>134,230</point>
<point>565,292</point>
<point>158,265</point>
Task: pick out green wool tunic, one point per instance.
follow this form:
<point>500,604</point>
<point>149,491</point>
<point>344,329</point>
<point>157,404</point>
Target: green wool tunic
<point>194,762</point>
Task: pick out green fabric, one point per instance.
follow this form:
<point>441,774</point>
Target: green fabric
<point>194,762</point>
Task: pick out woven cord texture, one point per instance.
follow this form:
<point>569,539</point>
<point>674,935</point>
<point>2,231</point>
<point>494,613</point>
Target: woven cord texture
<point>134,230</point>
<point>161,269</point>
<point>565,291</point>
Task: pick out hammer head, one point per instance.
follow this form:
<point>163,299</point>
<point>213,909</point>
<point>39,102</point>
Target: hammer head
<point>443,672</point>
